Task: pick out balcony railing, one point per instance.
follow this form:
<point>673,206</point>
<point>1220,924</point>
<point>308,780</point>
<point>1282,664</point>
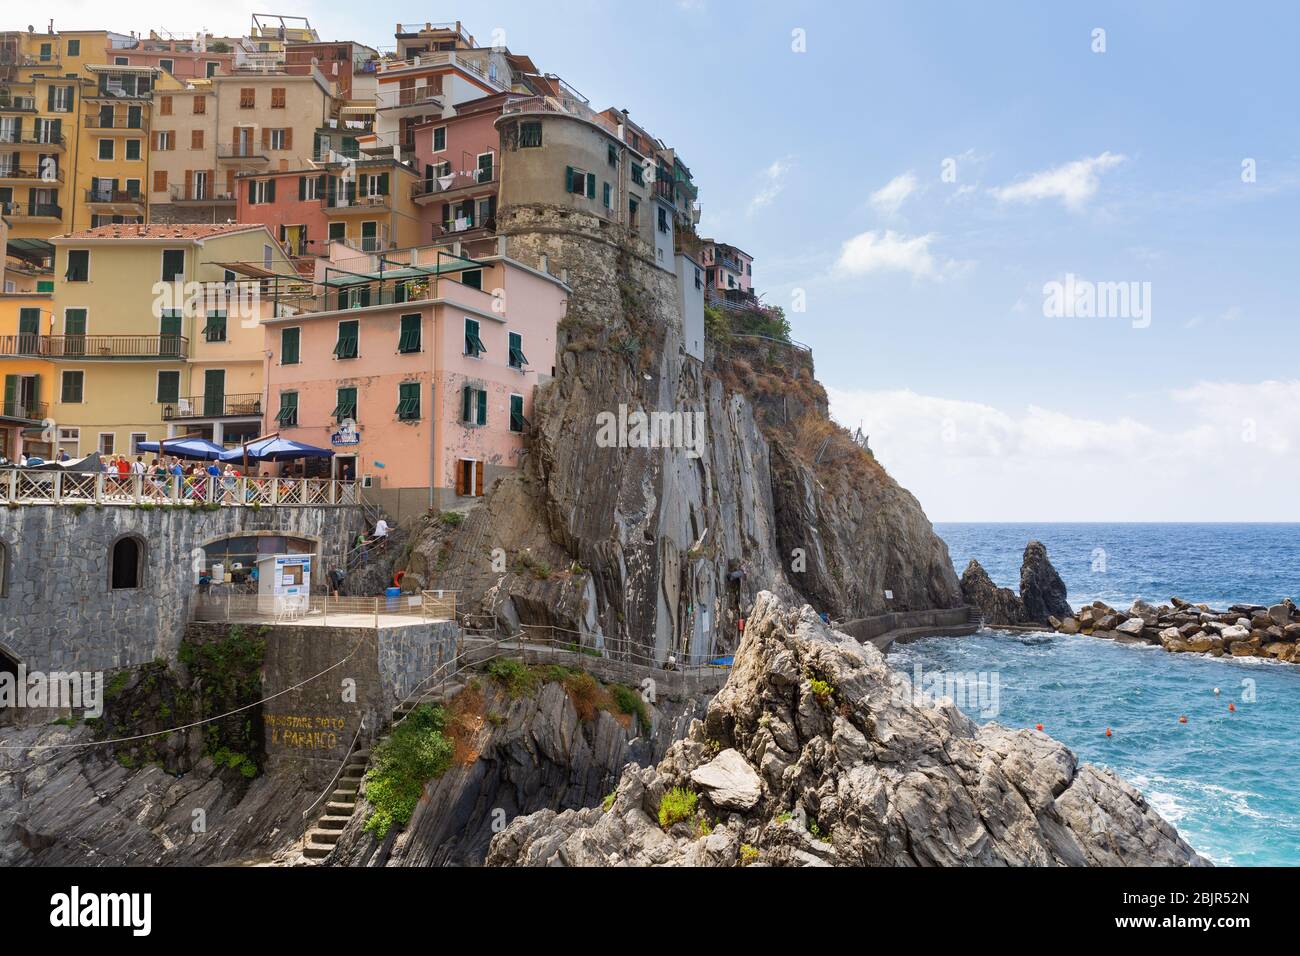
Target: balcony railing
<point>85,347</point>
<point>10,138</point>
<point>38,210</point>
<point>447,184</point>
<point>19,486</point>
<point>19,104</point>
<point>94,121</point>
<point>240,151</point>
<point>116,196</point>
<point>53,175</point>
<point>214,406</point>
<point>108,91</point>
<point>24,411</point>
<point>462,227</point>
<point>340,201</point>
<point>195,194</point>
<point>410,96</point>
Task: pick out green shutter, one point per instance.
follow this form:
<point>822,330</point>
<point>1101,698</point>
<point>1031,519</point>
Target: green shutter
<point>288,414</point>
<point>346,404</point>
<point>409,340</point>
<point>383,184</point>
<point>289,339</point>
<point>408,401</point>
<point>215,329</point>
<point>169,387</point>
<point>346,347</point>
<point>591,185</point>
<point>517,357</point>
<point>568,179</point>
<point>11,396</point>
<point>466,403</point>
<point>517,421</point>
<point>482,407</point>
<point>473,344</point>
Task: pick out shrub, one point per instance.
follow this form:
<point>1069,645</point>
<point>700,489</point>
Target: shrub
<point>608,801</point>
<point>453,519</point>
<point>677,805</point>
<point>414,753</point>
<point>748,854</point>
<point>513,675</point>
<point>584,691</point>
<point>630,702</point>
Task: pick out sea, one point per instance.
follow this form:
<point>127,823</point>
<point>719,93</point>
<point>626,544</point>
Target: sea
<point>1229,779</point>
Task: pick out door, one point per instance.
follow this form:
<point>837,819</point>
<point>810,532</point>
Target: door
<point>169,330</point>
<point>29,331</point>
<point>74,332</point>
<point>485,168</point>
<point>106,117</point>
<point>133,117</point>
<point>199,184</point>
<point>214,392</point>
<point>370,236</point>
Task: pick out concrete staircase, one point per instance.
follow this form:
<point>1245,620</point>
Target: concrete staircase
<point>320,839</point>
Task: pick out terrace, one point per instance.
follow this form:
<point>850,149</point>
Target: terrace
<point>166,348</point>
<point>248,405</point>
<point>24,486</point>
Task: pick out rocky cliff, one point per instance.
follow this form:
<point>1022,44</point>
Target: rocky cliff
<point>655,550</point>
<point>1042,592</point>
<point>812,755</point>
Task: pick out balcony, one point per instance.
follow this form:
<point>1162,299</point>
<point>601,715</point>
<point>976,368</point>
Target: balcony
<point>121,91</point>
<point>31,211</point>
<point>37,140</point>
<point>118,124</point>
<point>453,187</point>
<point>214,406</point>
<point>464,228</point>
<point>26,411</point>
<point>166,348</point>
<point>117,199</point>
<point>19,104</point>
<point>342,205</point>
<point>242,152</point>
<point>30,174</point>
<point>414,97</point>
<point>204,196</point>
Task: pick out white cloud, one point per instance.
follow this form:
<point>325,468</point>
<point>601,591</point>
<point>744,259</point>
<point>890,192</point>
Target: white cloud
<point>889,198</point>
<point>889,251</point>
<point>1226,451</point>
<point>1074,183</point>
<point>773,182</point>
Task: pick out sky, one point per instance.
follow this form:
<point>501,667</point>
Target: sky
<point>917,180</point>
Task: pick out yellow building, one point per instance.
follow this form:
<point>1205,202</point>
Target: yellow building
<point>148,340</point>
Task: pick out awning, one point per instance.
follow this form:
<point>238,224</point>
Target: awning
<point>30,250</point>
<point>275,449</point>
<point>404,272</point>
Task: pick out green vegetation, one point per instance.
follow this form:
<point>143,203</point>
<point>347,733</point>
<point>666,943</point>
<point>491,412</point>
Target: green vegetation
<point>225,757</point>
<point>748,854</point>
<point>453,519</point>
<point>228,676</point>
<point>415,752</point>
<point>117,684</point>
<point>822,688</point>
<point>515,676</point>
<point>703,825</point>
<point>677,805</point>
<point>609,800</point>
<point>628,701</point>
<point>525,563</point>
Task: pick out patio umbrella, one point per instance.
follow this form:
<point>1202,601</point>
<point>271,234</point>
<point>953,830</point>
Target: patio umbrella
<point>194,448</point>
<point>275,449</point>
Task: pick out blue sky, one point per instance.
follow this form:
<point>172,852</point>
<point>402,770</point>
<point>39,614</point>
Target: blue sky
<point>925,301</point>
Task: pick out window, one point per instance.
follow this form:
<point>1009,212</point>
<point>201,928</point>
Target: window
<point>409,340</point>
<point>107,443</point>
<point>530,135</point>
<point>289,341</point>
<point>164,140</point>
<point>277,139</point>
<point>473,405</point>
<point>78,265</point>
<point>486,163</point>
<point>164,106</point>
<point>247,98</point>
<point>169,387</point>
<point>126,564</point>
<point>72,388</point>
<point>632,208</point>
<point>261,191</point>
<point>196,139</point>
<point>440,139</point>
<point>105,149</point>
<point>121,61</point>
<point>663,219</point>
<point>473,344</point>
<point>408,401</point>
<point>338,231</point>
<point>277,97</point>
<point>580,183</point>
<point>168,65</point>
<point>74,48</point>
<point>347,346</point>
<point>201,102</point>
<point>159,180</point>
<point>472,278</point>
<point>638,174</point>
<point>70,441</point>
<point>613,155</point>
<point>215,330</point>
<point>345,404</point>
<point>517,357</point>
<point>133,188</point>
<point>288,413</point>
<point>173,264</point>
<point>517,421</point>
<point>607,195</point>
<point>309,187</point>
<point>60,99</point>
<point>134,443</point>
<point>469,477</point>
<point>132,149</point>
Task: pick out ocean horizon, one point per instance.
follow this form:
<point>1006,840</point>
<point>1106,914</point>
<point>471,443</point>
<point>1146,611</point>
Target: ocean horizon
<point>1227,779</point>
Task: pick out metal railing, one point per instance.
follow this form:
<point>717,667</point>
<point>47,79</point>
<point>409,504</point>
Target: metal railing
<point>326,610</point>
<point>446,184</point>
<point>247,150</point>
<point>26,411</point>
<point>94,121</point>
<point>54,175</point>
<point>35,210</point>
<point>32,139</point>
<point>410,96</point>
<point>206,194</point>
<point>79,347</point>
<point>99,195</point>
<point>213,406</point>
<point>23,486</point>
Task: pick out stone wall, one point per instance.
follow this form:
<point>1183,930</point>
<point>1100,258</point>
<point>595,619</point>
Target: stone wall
<point>56,605</point>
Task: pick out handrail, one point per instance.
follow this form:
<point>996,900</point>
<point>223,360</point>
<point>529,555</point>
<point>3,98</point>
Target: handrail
<point>26,486</point>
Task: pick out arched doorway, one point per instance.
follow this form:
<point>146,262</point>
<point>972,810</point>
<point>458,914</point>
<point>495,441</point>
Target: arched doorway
<point>8,674</point>
<point>126,563</point>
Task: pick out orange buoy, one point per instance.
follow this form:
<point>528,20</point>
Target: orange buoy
<point>1182,720</point>
<point>1232,708</point>
<point>1107,731</point>
<point>1038,726</point>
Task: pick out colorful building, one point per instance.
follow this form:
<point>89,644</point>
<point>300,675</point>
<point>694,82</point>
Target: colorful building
<point>419,370</point>
<point>458,156</point>
<point>124,336</point>
<point>727,268</point>
<point>185,184</point>
<point>25,314</point>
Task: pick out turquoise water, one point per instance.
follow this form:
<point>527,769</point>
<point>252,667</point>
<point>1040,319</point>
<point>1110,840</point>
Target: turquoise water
<point>1229,781</point>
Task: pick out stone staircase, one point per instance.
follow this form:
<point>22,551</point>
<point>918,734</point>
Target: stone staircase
<point>320,839</point>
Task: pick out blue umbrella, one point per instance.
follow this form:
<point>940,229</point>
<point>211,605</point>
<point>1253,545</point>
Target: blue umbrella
<point>275,449</point>
<point>194,448</point>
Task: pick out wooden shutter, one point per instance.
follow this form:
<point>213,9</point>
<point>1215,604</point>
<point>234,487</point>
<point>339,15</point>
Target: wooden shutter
<point>288,138</point>
<point>478,479</point>
<point>466,402</point>
<point>460,478</point>
<point>270,190</point>
<point>266,137</point>
<point>383,184</point>
<point>591,185</point>
<point>159,180</point>
<point>252,192</point>
<point>189,183</point>
<point>302,188</point>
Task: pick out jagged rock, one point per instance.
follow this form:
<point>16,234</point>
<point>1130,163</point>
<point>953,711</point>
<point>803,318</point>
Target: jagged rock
<point>1132,627</point>
<point>997,605</point>
<point>1145,611</point>
<point>1069,626</point>
<point>1280,614</point>
<point>860,774</point>
<point>729,782</point>
<point>1041,589</point>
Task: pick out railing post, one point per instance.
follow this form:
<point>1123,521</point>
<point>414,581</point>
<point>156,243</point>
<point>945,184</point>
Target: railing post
<point>137,486</point>
<point>275,490</point>
<point>13,485</point>
<point>99,487</point>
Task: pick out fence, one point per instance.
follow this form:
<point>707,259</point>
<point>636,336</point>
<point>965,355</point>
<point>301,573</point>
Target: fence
<point>325,610</point>
<point>19,486</point>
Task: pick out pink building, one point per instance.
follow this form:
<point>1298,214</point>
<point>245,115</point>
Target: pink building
<point>727,268</point>
<point>177,57</point>
<point>293,208</point>
<point>457,157</point>
<point>421,378</point>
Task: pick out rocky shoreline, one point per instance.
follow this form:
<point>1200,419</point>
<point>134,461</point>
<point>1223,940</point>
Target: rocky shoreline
<point>1180,627</point>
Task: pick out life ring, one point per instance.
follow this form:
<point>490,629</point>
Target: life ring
<point>397,579</point>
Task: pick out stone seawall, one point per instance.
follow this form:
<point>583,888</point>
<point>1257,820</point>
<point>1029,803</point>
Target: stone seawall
<point>57,605</point>
<point>883,629</point>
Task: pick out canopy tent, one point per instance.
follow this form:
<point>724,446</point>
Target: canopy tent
<point>90,463</point>
<point>275,449</point>
<point>192,448</point>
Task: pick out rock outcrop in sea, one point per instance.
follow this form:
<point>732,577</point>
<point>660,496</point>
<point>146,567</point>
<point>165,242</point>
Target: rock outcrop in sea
<point>1042,592</point>
<point>811,755</point>
<point>1243,630</point>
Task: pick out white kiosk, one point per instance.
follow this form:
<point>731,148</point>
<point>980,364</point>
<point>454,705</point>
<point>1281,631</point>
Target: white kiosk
<point>284,585</point>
